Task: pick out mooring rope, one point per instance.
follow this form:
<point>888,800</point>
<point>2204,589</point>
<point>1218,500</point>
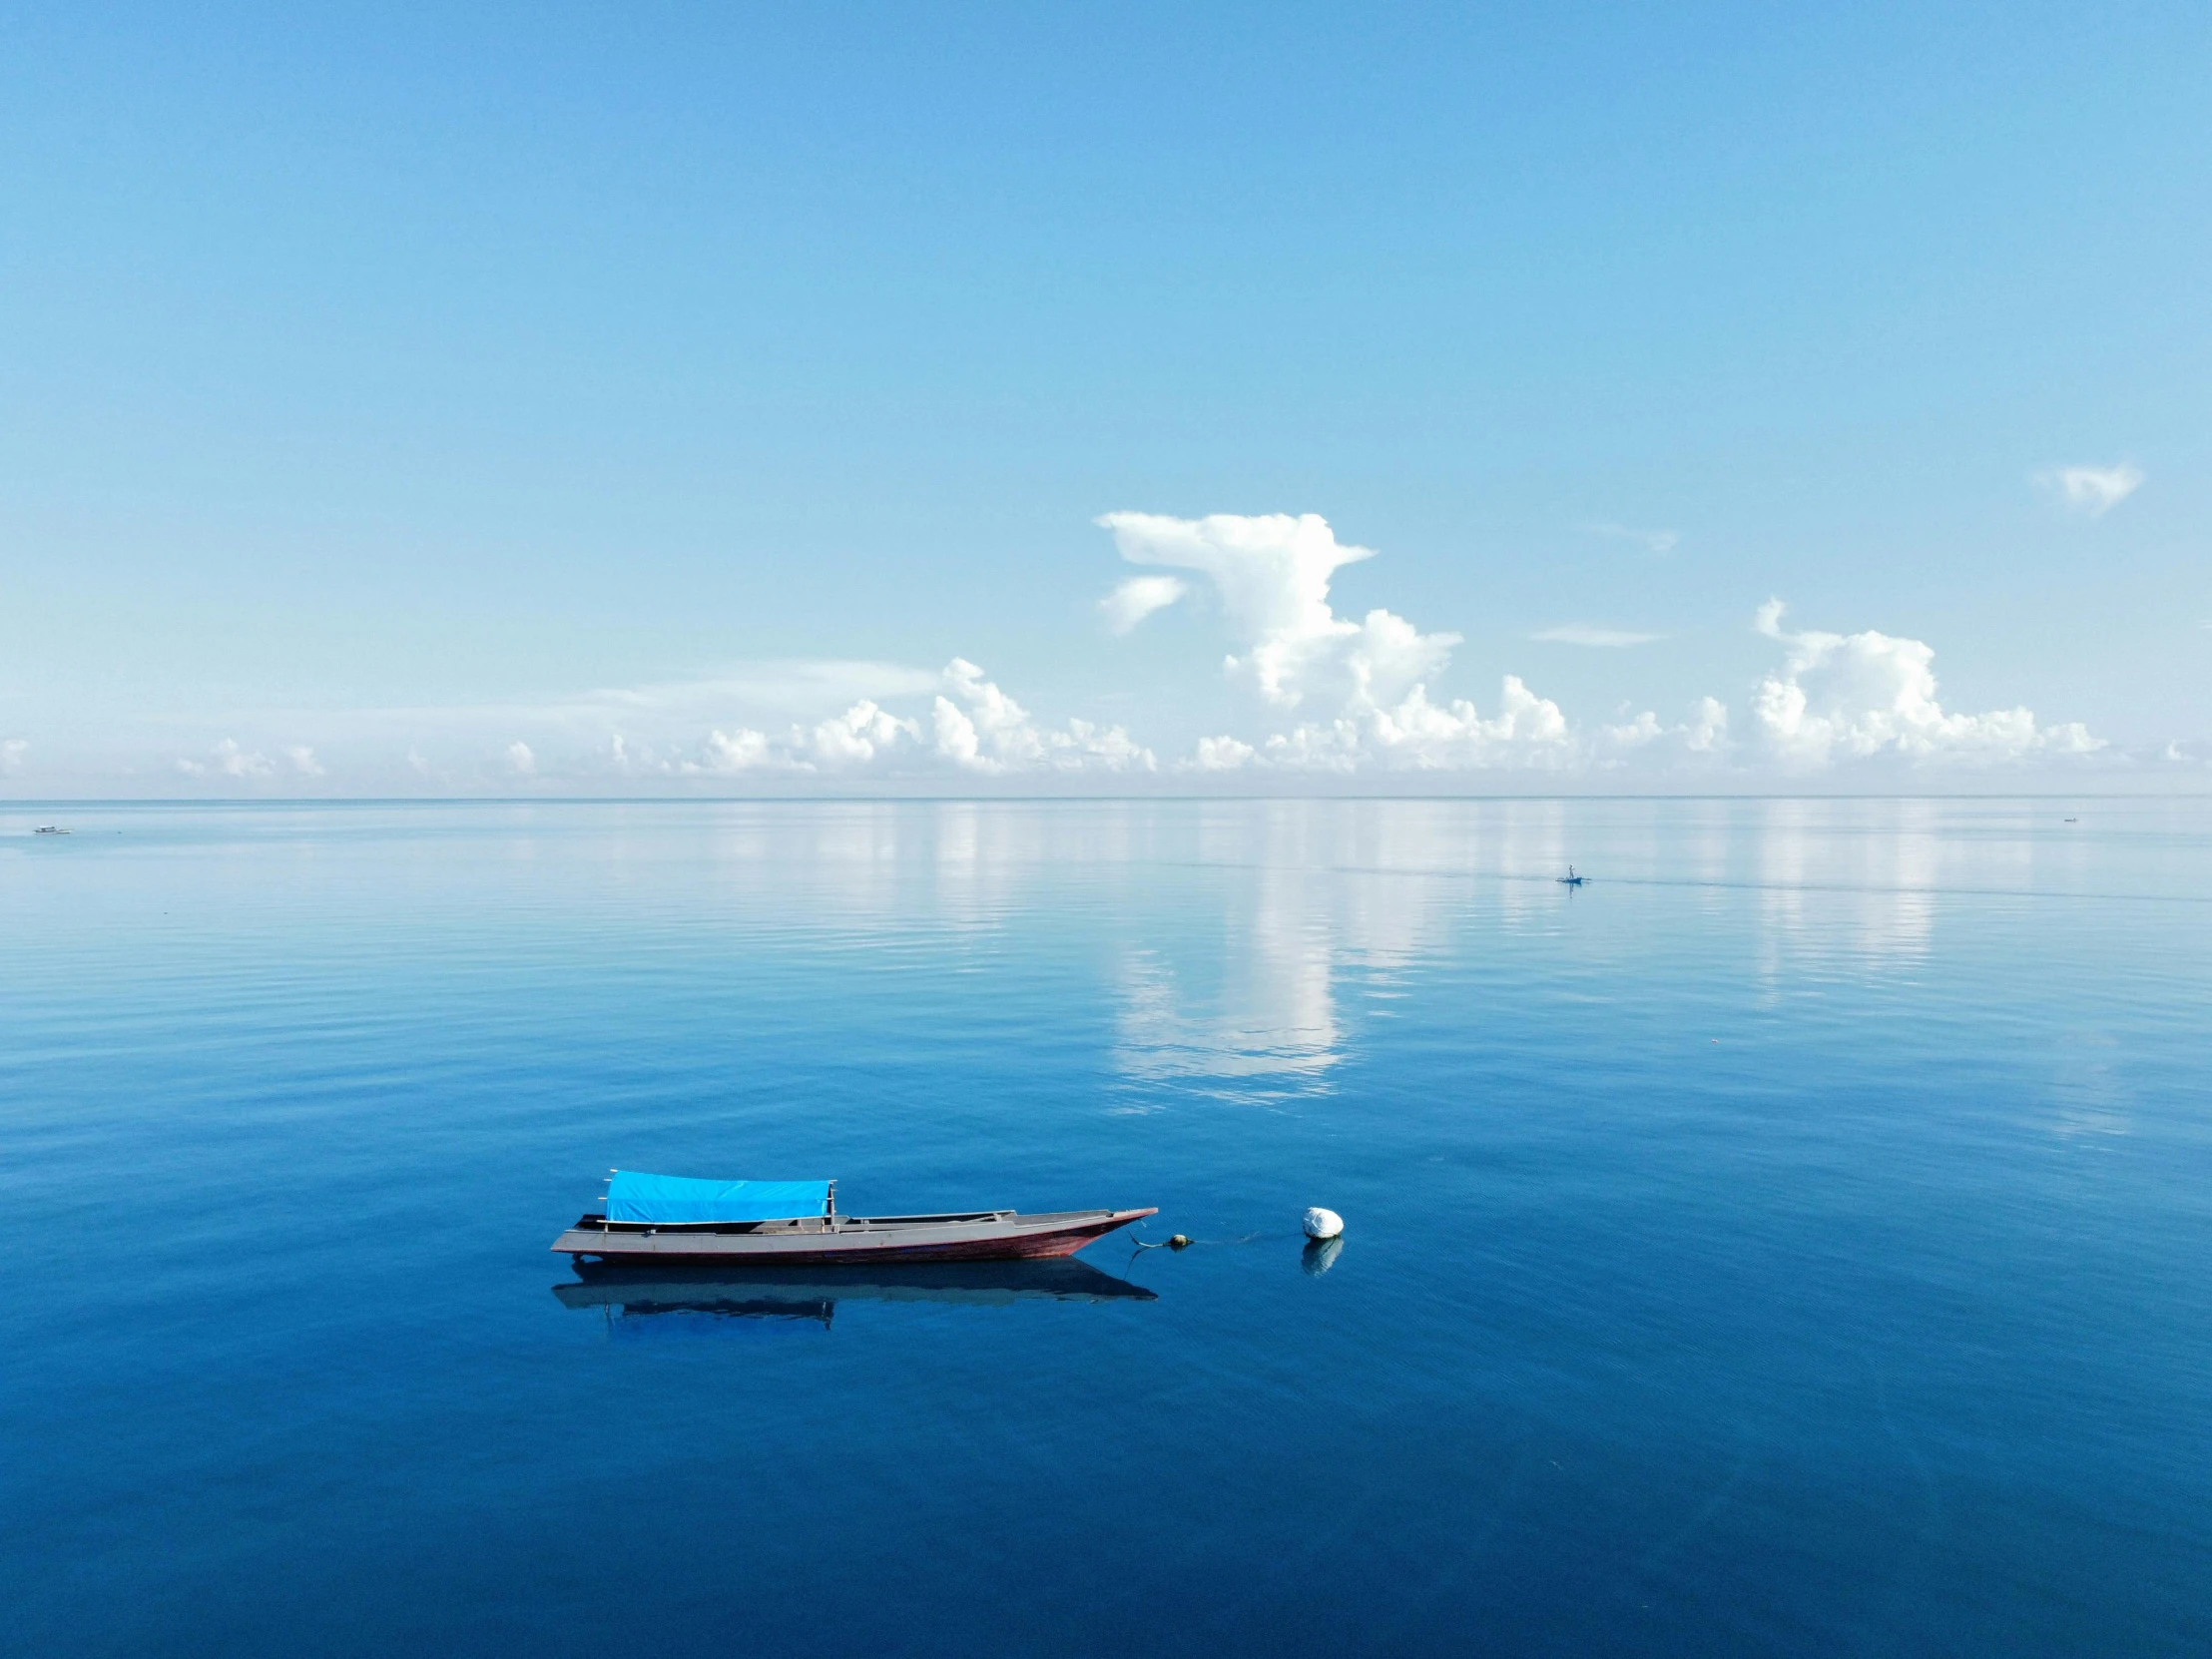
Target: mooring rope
<point>1183,1241</point>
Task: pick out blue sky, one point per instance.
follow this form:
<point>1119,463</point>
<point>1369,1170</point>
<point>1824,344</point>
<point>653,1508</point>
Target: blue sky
<point>570,399</point>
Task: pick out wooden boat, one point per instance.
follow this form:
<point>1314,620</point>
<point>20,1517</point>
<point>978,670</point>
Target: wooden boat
<point>665,1218</point>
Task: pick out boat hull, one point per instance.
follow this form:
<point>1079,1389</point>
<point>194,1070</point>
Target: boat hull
<point>996,1236</point>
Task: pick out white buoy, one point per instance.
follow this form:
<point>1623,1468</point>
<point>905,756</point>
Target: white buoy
<point>1324,1223</point>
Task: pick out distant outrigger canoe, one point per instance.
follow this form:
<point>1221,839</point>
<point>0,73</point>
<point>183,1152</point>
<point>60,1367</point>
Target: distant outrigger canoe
<point>667,1218</point>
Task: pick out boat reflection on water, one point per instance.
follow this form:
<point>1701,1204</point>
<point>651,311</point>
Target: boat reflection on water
<point>803,1293</point>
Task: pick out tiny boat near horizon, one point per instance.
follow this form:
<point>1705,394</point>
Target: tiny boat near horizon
<point>669,1218</point>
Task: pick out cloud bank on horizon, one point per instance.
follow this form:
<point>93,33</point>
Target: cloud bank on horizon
<point>1835,697</point>
<point>971,729</point>
<point>1328,697</point>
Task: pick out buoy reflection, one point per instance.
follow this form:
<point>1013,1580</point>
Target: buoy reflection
<point>1320,1255</point>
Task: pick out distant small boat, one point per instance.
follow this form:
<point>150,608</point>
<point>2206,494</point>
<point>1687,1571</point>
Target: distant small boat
<point>49,829</point>
<point>668,1218</point>
<point>1570,879</point>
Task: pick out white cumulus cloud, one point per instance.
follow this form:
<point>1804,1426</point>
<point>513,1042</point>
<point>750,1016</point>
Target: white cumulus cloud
<point>11,755</point>
<point>1700,742</point>
<point>1839,696</point>
<point>1272,573</point>
<point>521,760</point>
<point>972,726</point>
<point>1707,733</point>
<point>2093,490</point>
<point>858,737</point>
<point>1420,736</point>
<point>228,759</point>
<point>1138,597</point>
<point>987,731</point>
<point>732,751</point>
<point>1223,753</point>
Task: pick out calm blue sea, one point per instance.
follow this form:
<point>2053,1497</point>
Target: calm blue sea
<point>1799,1240</point>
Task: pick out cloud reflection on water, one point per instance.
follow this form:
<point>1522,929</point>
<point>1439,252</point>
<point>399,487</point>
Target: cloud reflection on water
<point>1249,942</point>
<point>1311,900</point>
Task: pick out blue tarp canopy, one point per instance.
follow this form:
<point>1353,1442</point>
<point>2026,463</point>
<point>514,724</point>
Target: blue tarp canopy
<point>632,1196</point>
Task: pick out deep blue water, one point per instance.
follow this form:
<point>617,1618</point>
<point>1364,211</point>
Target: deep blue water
<point>1799,1240</point>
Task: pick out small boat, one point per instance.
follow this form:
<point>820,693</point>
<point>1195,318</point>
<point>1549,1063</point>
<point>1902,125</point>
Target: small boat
<point>49,829</point>
<point>1570,879</point>
<point>670,1218</point>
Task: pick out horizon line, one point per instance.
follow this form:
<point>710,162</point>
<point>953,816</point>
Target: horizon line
<point>31,801</point>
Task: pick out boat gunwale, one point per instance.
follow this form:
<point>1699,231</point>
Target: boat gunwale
<point>997,1231</point>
